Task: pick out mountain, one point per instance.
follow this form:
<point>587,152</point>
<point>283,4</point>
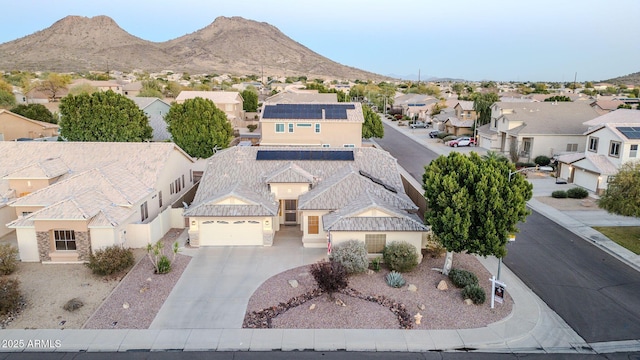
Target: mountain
<point>228,45</point>
<point>631,79</point>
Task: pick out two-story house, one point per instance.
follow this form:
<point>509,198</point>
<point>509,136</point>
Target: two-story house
<point>247,194</point>
<point>415,106</point>
<point>320,125</point>
<point>611,140</point>
<point>72,198</point>
<point>539,128</point>
<point>464,110</point>
<point>230,102</point>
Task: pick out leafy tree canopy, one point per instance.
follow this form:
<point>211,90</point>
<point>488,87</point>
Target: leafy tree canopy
<point>198,126</point>
<point>472,205</point>
<point>250,97</point>
<point>6,86</point>
<point>558,98</point>
<point>53,84</point>
<point>622,196</point>
<point>35,112</point>
<point>372,126</point>
<point>7,99</point>
<point>103,116</point>
<point>83,88</point>
<point>482,105</point>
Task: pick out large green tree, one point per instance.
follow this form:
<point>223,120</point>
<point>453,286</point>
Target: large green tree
<point>250,97</point>
<point>622,196</point>
<point>372,126</point>
<point>474,204</point>
<point>199,127</point>
<point>103,116</point>
<point>482,105</point>
<point>35,112</point>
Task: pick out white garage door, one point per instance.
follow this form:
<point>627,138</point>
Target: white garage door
<point>230,233</point>
<point>585,179</point>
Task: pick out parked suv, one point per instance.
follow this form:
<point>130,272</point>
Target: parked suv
<point>463,141</point>
<point>419,124</point>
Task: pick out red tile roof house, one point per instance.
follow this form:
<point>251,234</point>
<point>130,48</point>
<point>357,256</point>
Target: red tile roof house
<point>68,199</point>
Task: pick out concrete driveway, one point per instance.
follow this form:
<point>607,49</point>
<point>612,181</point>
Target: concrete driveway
<point>215,288</point>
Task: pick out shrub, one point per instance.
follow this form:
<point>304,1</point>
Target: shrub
<point>443,135</point>
<point>8,259</point>
<point>73,304</point>
<point>542,160</point>
<point>475,293</point>
<point>525,164</point>
<point>462,278</point>
<point>375,263</point>
<point>434,246</point>
<point>164,265</point>
<point>352,255</point>
<point>10,296</point>
<point>559,194</point>
<point>110,260</point>
<point>449,138</point>
<point>158,258</point>
<point>577,193</point>
<point>395,279</point>
<point>252,127</point>
<point>400,256</point>
<point>330,276</point>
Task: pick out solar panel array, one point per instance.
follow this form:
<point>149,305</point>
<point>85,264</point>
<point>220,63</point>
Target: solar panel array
<point>307,111</point>
<point>630,132</point>
<point>317,155</point>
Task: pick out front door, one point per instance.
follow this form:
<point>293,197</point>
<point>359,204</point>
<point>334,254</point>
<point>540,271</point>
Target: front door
<point>291,211</point>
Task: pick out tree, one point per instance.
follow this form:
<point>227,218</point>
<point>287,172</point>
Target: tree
<point>372,126</point>
<point>198,126</point>
<point>482,106</point>
<point>151,88</point>
<point>558,98</point>
<point>250,97</point>
<point>83,88</point>
<point>473,204</point>
<point>172,89</point>
<point>103,116</point>
<point>35,112</point>
<point>54,84</point>
<point>458,88</point>
<point>624,106</point>
<point>540,88</point>
<point>622,196</point>
<point>7,99</point>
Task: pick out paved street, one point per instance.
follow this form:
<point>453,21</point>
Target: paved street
<point>593,292</point>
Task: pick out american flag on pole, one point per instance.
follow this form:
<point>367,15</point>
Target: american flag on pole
<point>328,243</point>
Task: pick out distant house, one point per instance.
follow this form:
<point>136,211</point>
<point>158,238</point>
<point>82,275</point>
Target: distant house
<point>319,125</point>
<point>538,128</point>
<point>606,106</point>
<point>611,140</point>
<point>132,89</point>
<point>247,194</point>
<point>230,102</point>
<point>156,110</point>
<point>415,106</point>
<point>458,127</point>
<point>464,110</point>
<point>101,85</point>
<point>14,127</point>
<point>68,199</point>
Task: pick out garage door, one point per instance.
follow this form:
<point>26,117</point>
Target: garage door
<point>585,179</point>
<point>230,233</point>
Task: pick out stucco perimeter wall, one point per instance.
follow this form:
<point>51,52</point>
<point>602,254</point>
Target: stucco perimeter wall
<point>7,215</point>
<point>27,245</point>
<point>139,235</point>
<point>413,238</point>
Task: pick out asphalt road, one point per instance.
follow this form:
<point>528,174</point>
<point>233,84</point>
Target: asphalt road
<point>596,294</point>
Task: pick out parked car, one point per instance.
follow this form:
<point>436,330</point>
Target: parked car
<point>435,133</point>
<point>462,141</point>
<point>419,124</point>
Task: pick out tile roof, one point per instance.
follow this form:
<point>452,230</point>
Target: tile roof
<point>562,118</point>
<point>454,121</point>
<point>44,169</point>
<point>290,173</point>
<point>218,97</point>
<point>594,162</point>
<point>616,116</point>
<point>258,205</point>
<point>466,105</point>
<point>287,97</point>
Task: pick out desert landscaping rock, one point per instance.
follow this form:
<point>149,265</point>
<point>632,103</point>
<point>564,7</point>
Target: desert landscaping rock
<point>442,285</point>
<point>412,288</point>
<point>293,283</point>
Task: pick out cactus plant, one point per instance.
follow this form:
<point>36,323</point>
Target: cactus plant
<point>395,279</point>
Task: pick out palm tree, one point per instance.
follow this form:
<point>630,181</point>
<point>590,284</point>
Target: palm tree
<point>494,155</point>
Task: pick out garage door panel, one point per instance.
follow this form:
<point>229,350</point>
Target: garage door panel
<point>585,179</point>
<point>230,233</point>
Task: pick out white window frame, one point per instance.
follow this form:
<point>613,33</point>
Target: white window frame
<point>592,144</point>
<point>280,125</point>
<point>633,150</point>
<point>317,128</point>
<point>290,127</point>
<point>614,148</point>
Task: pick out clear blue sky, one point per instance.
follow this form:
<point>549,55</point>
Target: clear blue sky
<point>542,40</point>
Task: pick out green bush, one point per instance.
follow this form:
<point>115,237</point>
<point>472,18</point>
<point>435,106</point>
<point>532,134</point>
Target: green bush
<point>443,135</point>
<point>352,254</point>
<point>577,193</point>
<point>330,276</point>
<point>542,160</point>
<point>252,127</point>
<point>400,256</point>
<point>525,164</point>
<point>164,265</point>
<point>10,296</point>
<point>559,194</point>
<point>110,260</point>
<point>395,279</point>
<point>461,278</point>
<point>475,293</point>
<point>449,138</point>
<point>375,263</point>
<point>8,259</point>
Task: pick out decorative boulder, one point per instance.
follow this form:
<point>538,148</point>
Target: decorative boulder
<point>442,285</point>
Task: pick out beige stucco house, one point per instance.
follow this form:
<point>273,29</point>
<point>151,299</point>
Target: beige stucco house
<point>318,125</point>
<point>14,126</point>
<point>612,140</point>
<point>464,110</point>
<point>71,198</point>
<point>537,128</point>
<point>230,102</point>
<point>458,127</point>
<point>247,194</point>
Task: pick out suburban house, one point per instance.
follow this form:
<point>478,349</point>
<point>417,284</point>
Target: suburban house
<point>132,89</point>
<point>538,128</point>
<point>155,109</point>
<point>415,106</point>
<point>71,198</point>
<point>248,194</point>
<point>464,110</point>
<point>290,97</point>
<point>101,85</point>
<point>319,125</point>
<point>14,127</point>
<point>459,127</point>
<point>230,102</point>
<point>605,106</point>
<point>612,140</point>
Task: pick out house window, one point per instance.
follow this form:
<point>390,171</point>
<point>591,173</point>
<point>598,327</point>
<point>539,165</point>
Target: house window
<point>614,149</point>
<point>191,176</point>
<point>65,239</point>
<point>348,145</point>
<point>572,147</point>
<point>279,128</point>
<point>290,127</point>
<point>171,189</point>
<point>593,144</point>
<point>183,180</point>
<point>495,123</point>
<point>144,212</point>
<point>326,145</point>
<point>375,243</point>
<point>312,225</point>
<point>26,213</point>
<point>160,199</point>
<point>303,125</point>
<point>633,152</point>
<point>317,130</point>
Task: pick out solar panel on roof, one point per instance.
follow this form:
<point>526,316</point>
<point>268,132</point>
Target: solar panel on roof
<point>307,111</point>
<point>630,132</point>
<point>313,155</point>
